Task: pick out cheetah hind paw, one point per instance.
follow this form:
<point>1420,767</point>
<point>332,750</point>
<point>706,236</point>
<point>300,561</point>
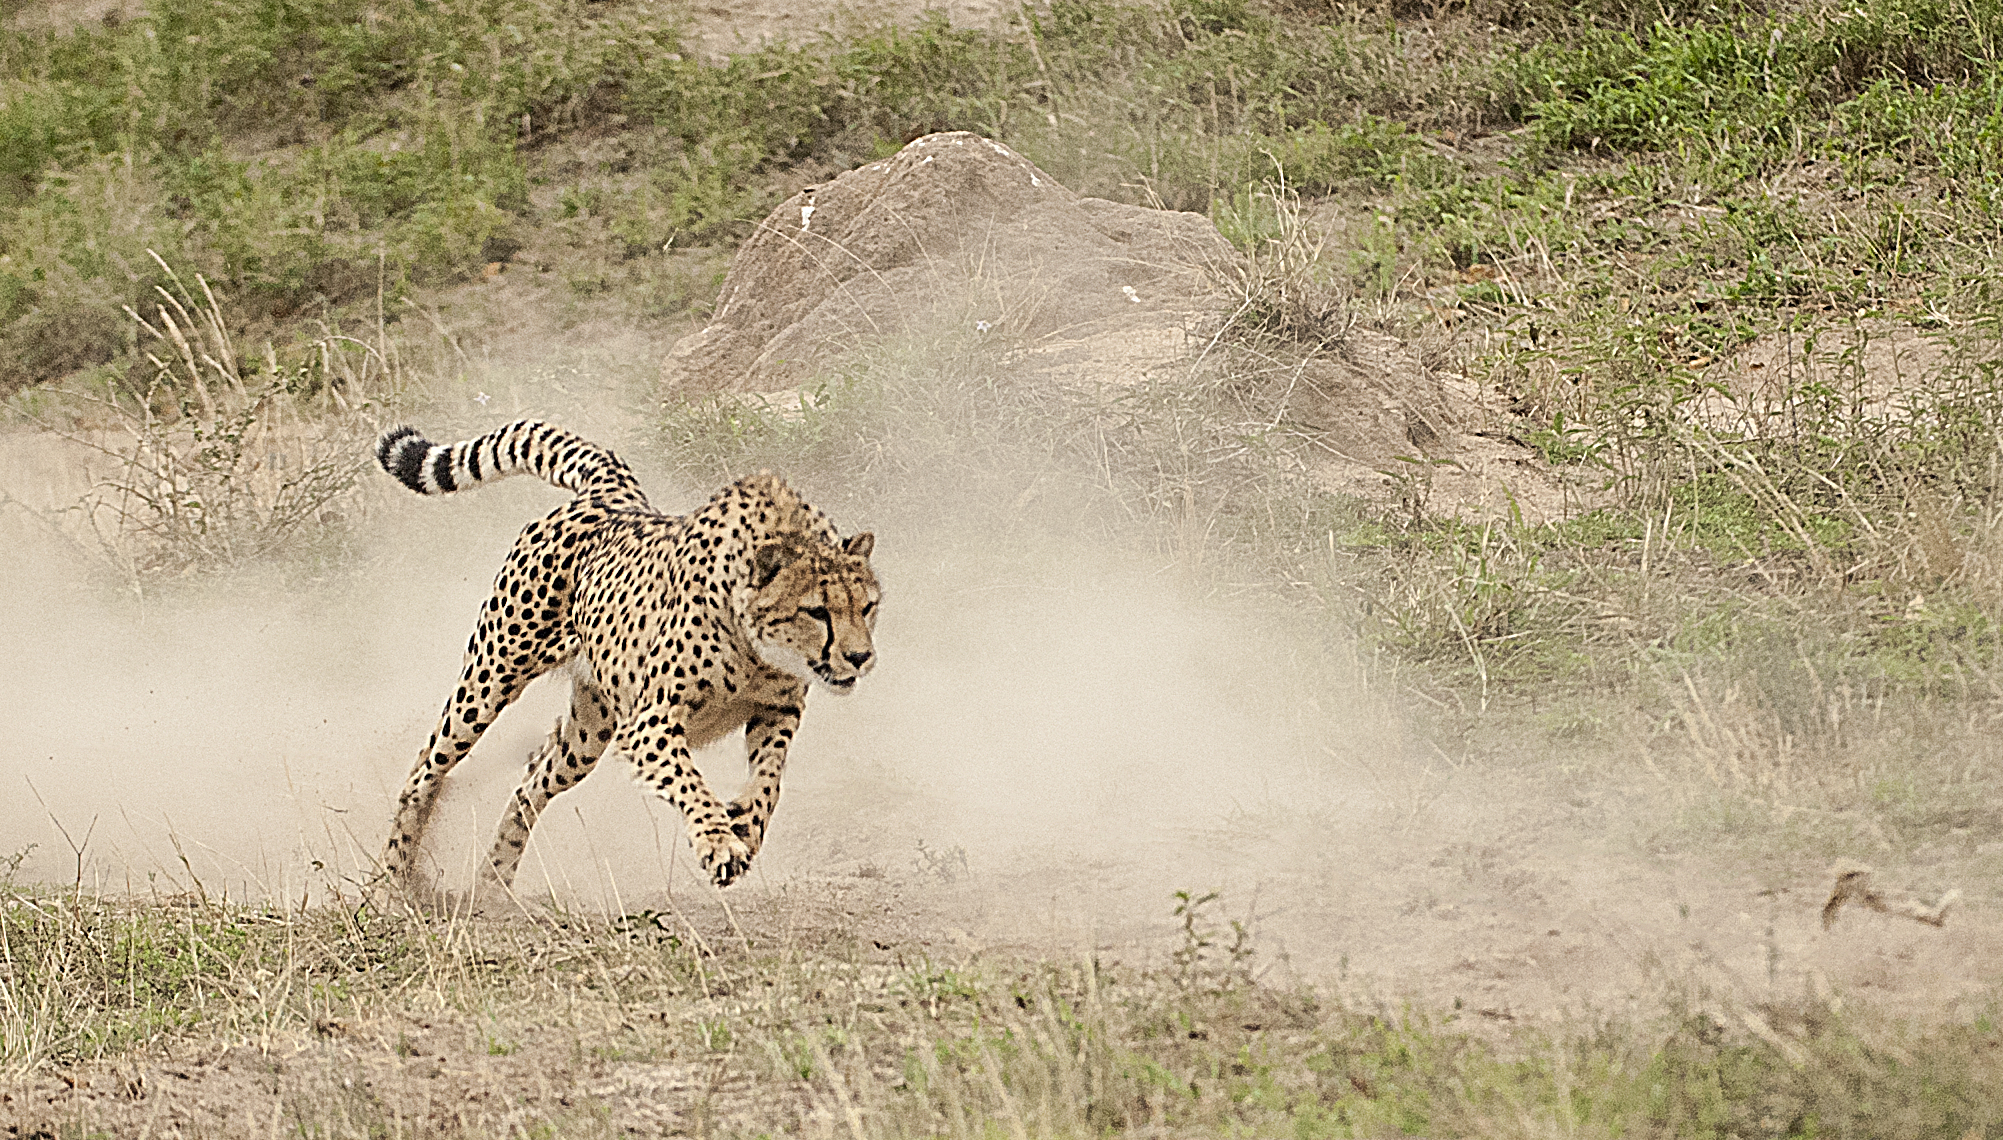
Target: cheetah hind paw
<point>413,893</point>
<point>723,855</point>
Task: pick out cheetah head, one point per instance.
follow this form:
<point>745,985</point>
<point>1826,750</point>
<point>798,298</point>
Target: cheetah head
<point>813,608</point>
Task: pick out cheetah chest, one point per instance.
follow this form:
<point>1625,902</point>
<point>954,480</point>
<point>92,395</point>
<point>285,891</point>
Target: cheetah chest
<point>658,651</point>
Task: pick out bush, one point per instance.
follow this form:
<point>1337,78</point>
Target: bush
<point>230,461</point>
<point>56,339</point>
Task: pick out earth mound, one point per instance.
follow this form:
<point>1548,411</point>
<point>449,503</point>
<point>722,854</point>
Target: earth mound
<point>957,229</point>
<point>952,222</point>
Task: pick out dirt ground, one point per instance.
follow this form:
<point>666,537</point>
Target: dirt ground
<point>1527,916</point>
<point>1053,745</point>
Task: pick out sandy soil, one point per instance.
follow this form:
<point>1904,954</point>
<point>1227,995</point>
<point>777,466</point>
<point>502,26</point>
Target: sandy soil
<point>738,24</point>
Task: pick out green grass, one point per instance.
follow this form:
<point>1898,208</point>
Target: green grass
<point>318,149</point>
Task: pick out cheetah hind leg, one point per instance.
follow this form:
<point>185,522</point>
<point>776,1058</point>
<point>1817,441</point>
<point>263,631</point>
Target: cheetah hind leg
<point>572,750</point>
<point>496,671</point>
<point>466,717</point>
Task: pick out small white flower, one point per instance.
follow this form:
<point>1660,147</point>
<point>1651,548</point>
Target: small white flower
<point>482,399</point>
<point>982,326</point>
<point>1131,295</point>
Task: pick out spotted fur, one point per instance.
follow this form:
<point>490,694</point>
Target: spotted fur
<point>677,630</point>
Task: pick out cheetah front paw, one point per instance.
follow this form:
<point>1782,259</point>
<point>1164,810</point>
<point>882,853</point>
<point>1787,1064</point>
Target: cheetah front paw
<point>747,823</point>
<point>722,854</point>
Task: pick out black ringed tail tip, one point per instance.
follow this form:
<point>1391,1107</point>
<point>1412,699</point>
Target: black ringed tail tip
<point>386,446</point>
<point>522,447</point>
<point>401,453</point>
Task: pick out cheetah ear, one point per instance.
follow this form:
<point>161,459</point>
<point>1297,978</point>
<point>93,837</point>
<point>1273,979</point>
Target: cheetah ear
<point>860,545</point>
<point>766,564</point>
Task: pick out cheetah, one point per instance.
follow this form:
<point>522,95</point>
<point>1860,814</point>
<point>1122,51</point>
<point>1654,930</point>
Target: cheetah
<point>676,630</point>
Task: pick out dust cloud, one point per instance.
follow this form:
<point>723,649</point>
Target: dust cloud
<point>1064,730</point>
<point>1018,706</point>
<point>1044,703</point>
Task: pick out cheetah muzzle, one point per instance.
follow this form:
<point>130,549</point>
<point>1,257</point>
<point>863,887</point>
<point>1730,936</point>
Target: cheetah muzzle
<point>677,630</point>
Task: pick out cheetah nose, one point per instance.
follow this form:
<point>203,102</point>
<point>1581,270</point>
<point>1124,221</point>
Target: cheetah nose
<point>858,659</point>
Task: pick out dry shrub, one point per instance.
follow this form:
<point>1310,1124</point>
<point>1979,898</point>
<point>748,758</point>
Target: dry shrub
<point>1283,287</point>
<point>222,460</point>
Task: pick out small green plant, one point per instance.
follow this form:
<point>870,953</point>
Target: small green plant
<point>948,865</point>
<point>716,1034</point>
<point>1195,964</point>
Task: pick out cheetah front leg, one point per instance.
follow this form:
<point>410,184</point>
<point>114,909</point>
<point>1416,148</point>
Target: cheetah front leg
<point>572,750</point>
<point>657,742</point>
<point>767,735</point>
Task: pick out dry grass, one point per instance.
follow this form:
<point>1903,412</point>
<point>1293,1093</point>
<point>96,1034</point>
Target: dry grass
<point>201,1017</point>
<point>1287,286</point>
<point>218,460</point>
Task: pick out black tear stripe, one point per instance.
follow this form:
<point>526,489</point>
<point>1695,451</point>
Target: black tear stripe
<point>441,470</point>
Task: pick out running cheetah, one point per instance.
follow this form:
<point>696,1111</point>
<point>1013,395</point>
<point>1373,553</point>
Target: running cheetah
<point>676,630</point>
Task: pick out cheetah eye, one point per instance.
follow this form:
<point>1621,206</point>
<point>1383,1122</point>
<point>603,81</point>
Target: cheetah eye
<point>818,613</point>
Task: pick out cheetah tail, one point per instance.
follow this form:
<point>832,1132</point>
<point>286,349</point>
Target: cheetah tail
<point>525,446</point>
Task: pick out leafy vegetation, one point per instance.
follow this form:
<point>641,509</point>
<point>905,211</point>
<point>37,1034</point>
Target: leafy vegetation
<point>317,151</point>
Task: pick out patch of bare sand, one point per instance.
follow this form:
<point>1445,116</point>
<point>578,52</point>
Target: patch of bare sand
<point>1797,381</point>
<point>727,26</point>
<point>58,15</point>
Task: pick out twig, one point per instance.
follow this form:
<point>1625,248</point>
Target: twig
<point>1853,884</point>
<point>75,848</point>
